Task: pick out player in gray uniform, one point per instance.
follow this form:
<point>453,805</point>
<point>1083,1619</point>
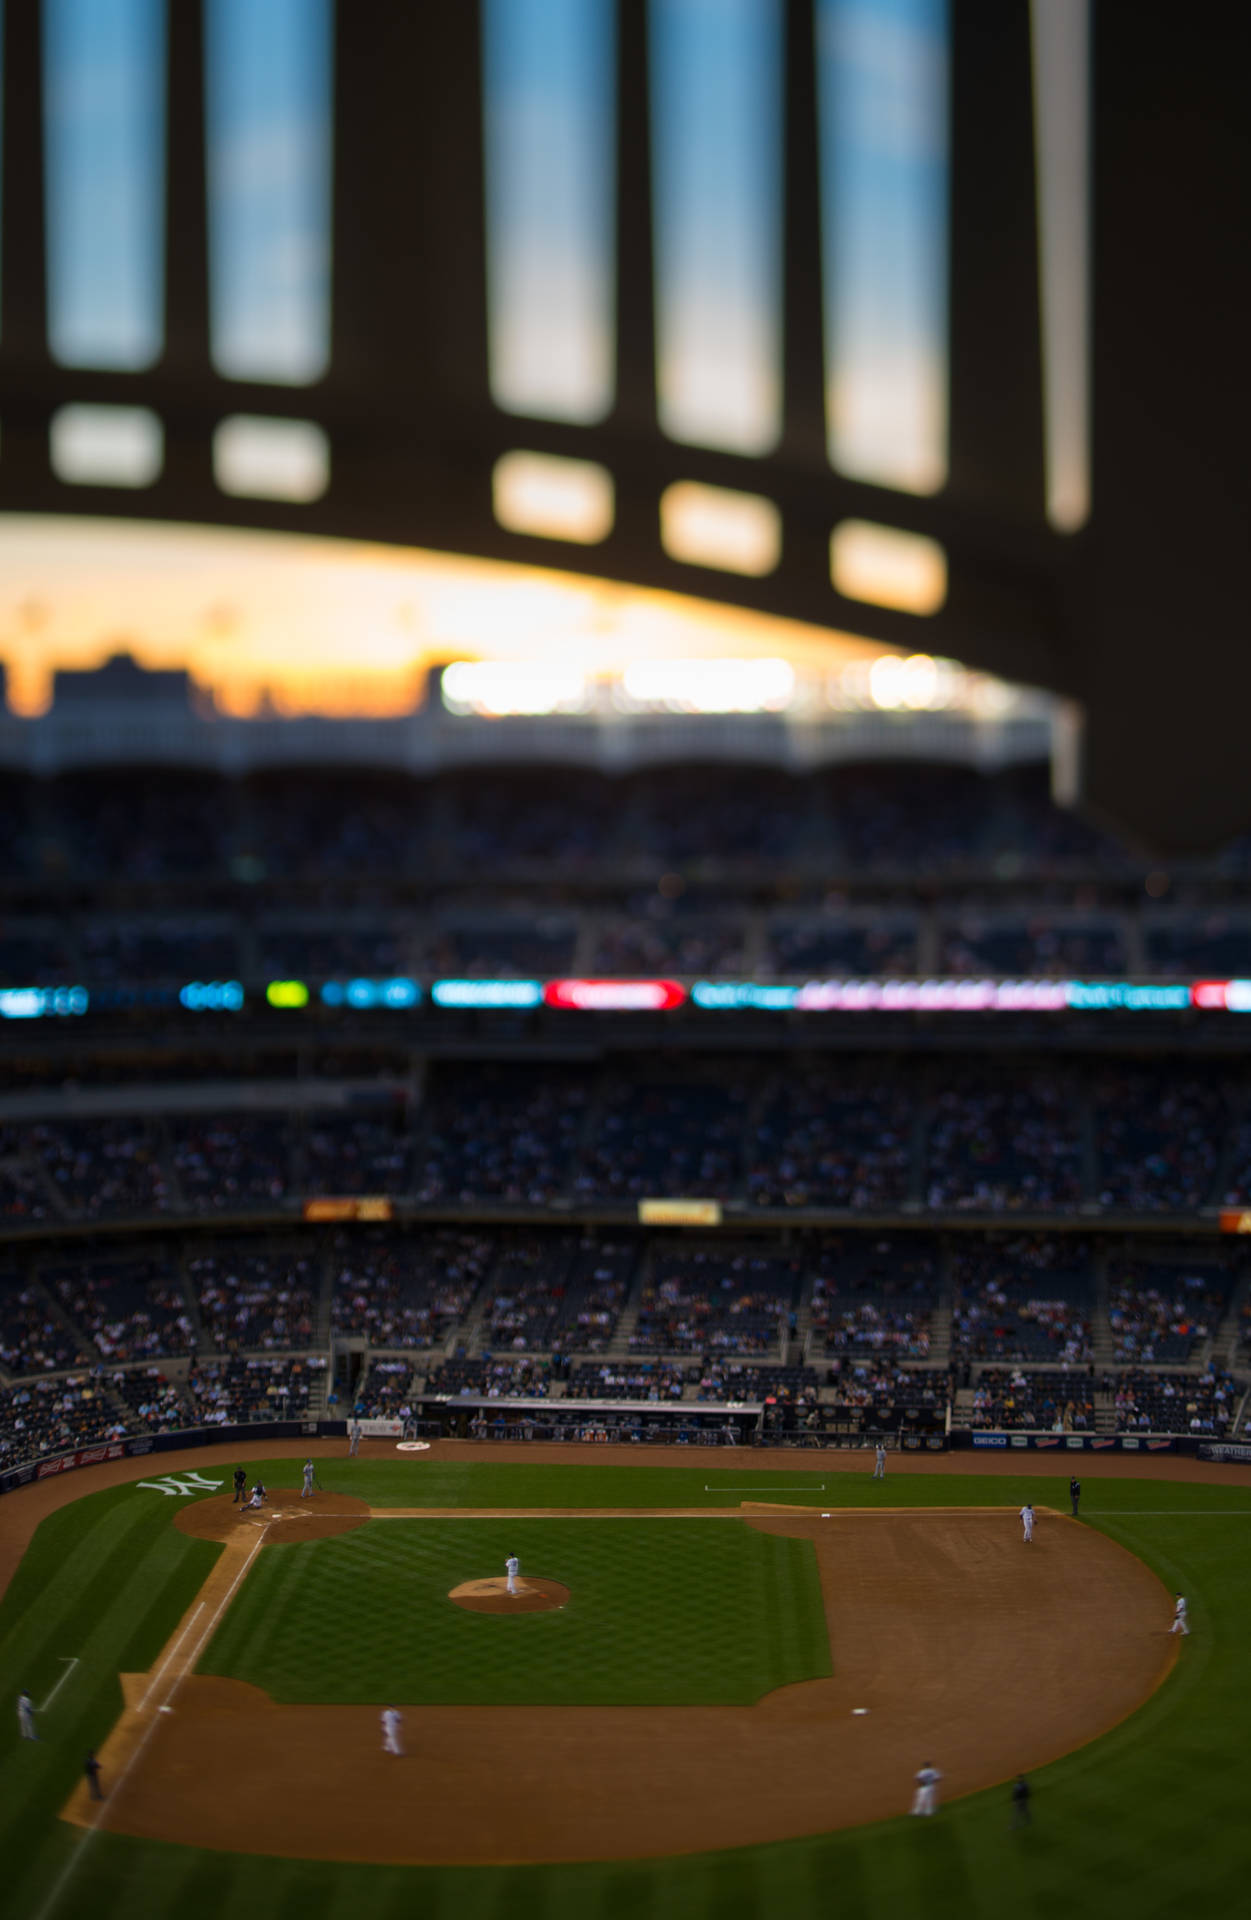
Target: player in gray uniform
<point>879,1462</point>
<point>1180,1622</point>
<point>392,1721</point>
<point>512,1567</point>
<point>1027,1521</point>
<point>306,1491</point>
<point>354,1436</point>
<point>925,1799</point>
<point>26,1716</point>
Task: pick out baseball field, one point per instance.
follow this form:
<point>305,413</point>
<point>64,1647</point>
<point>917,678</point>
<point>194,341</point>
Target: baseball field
<point>709,1697</point>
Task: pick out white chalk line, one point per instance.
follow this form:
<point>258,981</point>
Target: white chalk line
<point>1169,1513</point>
<point>69,1662</point>
<point>155,1681</point>
<point>75,1859</point>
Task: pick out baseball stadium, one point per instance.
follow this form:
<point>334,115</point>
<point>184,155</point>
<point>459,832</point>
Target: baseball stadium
<point>625,1122</point>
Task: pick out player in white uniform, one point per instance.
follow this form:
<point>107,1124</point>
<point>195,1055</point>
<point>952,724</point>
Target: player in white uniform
<point>392,1721</point>
<point>879,1462</point>
<point>306,1491</point>
<point>1027,1521</point>
<point>1180,1622</point>
<point>26,1716</point>
<point>512,1567</point>
<point>258,1495</point>
<point>925,1799</point>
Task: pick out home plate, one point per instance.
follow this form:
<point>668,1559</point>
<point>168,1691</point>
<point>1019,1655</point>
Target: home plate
<point>860,1709</point>
<point>170,1709</point>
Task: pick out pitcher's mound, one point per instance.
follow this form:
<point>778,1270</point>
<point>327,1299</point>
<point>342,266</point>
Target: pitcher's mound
<point>492,1596</point>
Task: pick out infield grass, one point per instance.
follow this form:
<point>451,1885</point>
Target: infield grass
<point>1148,1823</point>
<point>661,1612</point>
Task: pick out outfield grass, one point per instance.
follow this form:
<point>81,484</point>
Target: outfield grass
<point>661,1612</point>
<point>1148,1822</point>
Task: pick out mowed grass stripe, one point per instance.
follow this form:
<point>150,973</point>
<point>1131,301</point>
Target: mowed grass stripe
<point>661,1612</point>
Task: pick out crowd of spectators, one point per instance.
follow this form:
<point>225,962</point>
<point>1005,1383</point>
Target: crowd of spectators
<point>855,1133</point>
<point>356,1153</point>
<point>105,1166</point>
<point>387,1391</point>
<point>153,1402</point>
<point>24,1196</point>
<point>1049,1399</point>
<point>875,1296</point>
<point>406,1289</point>
<point>716,1300</point>
<point>253,1295</point>
<point>225,1162</point>
<point>1023,1297</point>
<point>40,1417</point>
<point>627,1380</point>
<point>1159,1309</point>
<point>657,1137</point>
<point>500,1133</point>
<point>129,1309</point>
<point>33,1336</point>
<point>830,1135</point>
<point>1004,1146</point>
<point>495,1376</point>
<point>1203,1405</point>
<point>1159,1135</point>
<point>253,1387</point>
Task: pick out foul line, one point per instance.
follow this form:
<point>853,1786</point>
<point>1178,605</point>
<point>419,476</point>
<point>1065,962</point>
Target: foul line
<point>69,1662</point>
<point>1169,1513</point>
<point>75,1859</point>
<point>156,1678</point>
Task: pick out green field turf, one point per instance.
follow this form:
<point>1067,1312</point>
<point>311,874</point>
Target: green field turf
<point>662,1612</point>
<point>1148,1822</point>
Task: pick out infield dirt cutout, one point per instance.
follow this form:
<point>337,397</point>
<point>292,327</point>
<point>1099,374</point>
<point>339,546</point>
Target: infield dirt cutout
<point>967,1648</point>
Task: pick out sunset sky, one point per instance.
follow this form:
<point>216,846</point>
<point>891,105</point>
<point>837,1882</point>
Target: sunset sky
<point>329,626</point>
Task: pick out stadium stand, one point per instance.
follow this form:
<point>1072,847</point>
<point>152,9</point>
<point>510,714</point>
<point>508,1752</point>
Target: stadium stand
<point>1023,1297</point>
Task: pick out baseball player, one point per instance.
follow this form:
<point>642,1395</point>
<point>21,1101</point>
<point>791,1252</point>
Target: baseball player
<point>354,1436</point>
<point>1180,1622</point>
<point>26,1716</point>
<point>925,1798</point>
<point>512,1567</point>
<point>1075,1492</point>
<point>258,1495</point>
<point>879,1462</point>
<point>392,1721</point>
<point>1027,1521</point>
<point>306,1491</point>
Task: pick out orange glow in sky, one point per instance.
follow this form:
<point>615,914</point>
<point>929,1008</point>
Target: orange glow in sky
<point>334,627</point>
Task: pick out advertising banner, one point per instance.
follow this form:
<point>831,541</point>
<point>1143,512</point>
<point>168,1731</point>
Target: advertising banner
<point>381,1429</point>
<point>990,1439</point>
<point>1224,1450</point>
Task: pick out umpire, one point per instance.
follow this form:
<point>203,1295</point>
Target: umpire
<point>241,1481</point>
<point>1075,1492</point>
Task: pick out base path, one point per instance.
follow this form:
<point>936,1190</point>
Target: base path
<point>966,1647</point>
